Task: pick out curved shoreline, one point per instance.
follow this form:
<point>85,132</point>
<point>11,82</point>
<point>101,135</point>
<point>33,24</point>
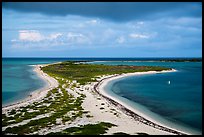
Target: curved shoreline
<point>38,94</point>
<point>41,93</point>
<point>137,115</point>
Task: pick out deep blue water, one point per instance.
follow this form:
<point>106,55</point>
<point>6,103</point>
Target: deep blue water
<point>179,102</point>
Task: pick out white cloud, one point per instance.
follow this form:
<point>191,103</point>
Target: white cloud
<point>138,36</point>
<point>93,21</point>
<point>55,36</point>
<point>30,35</point>
<point>72,35</point>
<point>140,23</point>
<point>76,38</point>
<point>35,38</point>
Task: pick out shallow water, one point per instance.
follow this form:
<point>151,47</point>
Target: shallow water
<point>19,79</point>
<point>179,102</point>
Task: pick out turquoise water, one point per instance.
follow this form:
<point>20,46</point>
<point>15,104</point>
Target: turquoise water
<point>179,102</point>
<point>19,79</point>
<point>17,85</point>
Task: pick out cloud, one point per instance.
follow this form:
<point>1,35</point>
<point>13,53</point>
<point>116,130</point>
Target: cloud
<point>138,36</point>
<point>116,11</point>
<point>93,21</point>
<point>30,35</point>
<point>140,23</point>
<point>77,38</point>
<point>54,36</point>
<point>65,33</point>
<point>34,38</point>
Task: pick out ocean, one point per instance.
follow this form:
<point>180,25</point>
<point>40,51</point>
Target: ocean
<point>179,102</point>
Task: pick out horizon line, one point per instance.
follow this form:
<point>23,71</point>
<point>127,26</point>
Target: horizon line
<point>101,57</point>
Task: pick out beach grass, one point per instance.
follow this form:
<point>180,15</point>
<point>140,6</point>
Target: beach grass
<point>60,105</point>
<point>89,129</point>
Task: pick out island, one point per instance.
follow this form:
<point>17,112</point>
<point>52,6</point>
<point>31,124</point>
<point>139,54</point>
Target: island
<point>73,103</point>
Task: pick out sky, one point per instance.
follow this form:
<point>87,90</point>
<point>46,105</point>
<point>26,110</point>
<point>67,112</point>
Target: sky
<point>102,29</point>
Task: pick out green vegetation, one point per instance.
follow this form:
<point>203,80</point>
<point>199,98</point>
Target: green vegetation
<point>12,112</point>
<point>120,133</point>
<point>60,105</point>
<point>183,60</point>
<point>89,129</point>
<point>141,133</point>
<point>84,73</point>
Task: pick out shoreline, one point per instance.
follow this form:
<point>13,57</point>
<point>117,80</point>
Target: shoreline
<point>128,110</point>
<point>38,94</point>
<point>143,124</point>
